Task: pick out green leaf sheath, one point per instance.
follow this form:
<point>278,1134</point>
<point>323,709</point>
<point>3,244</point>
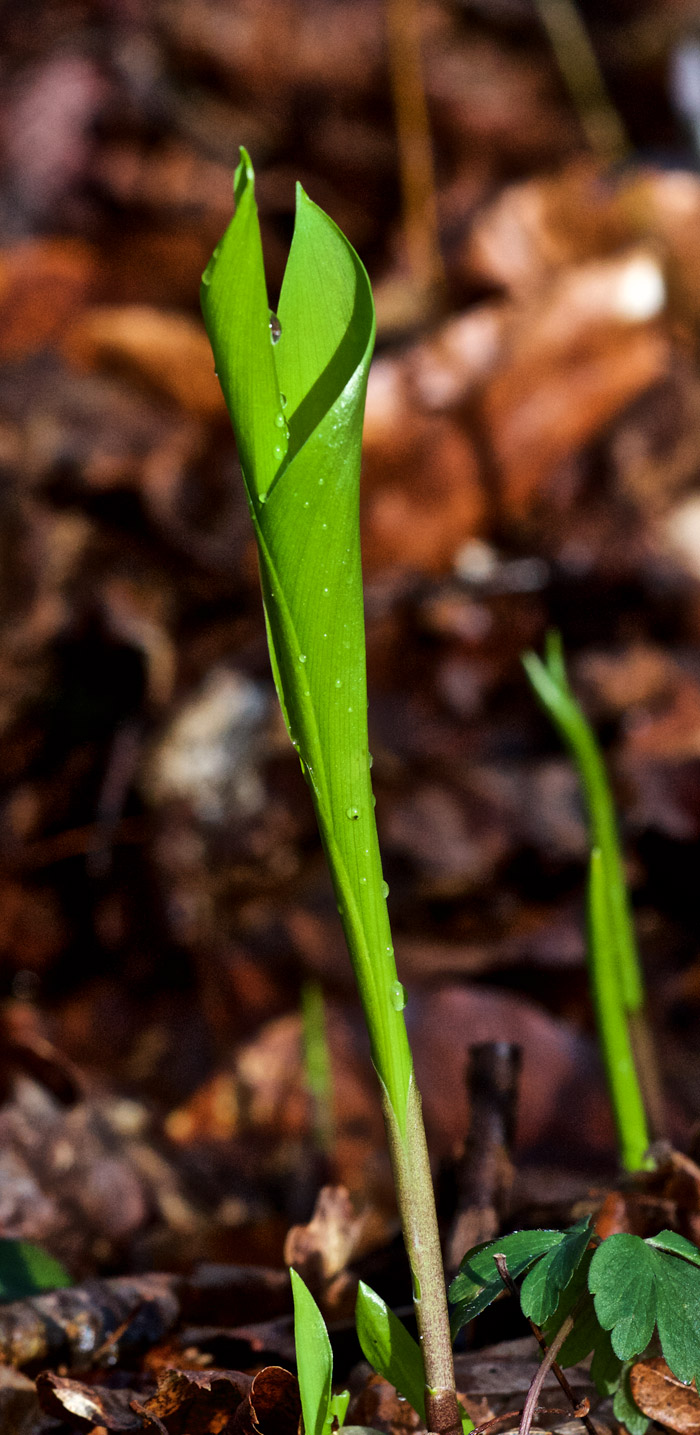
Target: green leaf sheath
<point>314,1358</point>
<point>611,1021</point>
<point>297,409</point>
<point>551,685</point>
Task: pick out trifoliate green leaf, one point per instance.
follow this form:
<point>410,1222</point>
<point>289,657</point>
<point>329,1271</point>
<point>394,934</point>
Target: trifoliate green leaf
<point>638,1284</point>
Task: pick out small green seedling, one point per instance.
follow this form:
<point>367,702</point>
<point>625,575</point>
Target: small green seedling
<point>320,1407</point>
<point>389,1348</point>
<point>295,386</point>
<point>614,967</point>
<point>615,1294</point>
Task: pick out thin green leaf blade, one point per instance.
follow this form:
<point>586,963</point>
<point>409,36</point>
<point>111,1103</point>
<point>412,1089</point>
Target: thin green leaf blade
<point>389,1348</point>
<point>236,314</point>
<point>542,1288</point>
<point>478,1283</point>
<point>622,1280</point>
<point>314,1357</point>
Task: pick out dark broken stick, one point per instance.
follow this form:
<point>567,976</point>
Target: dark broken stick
<point>509,1283</point>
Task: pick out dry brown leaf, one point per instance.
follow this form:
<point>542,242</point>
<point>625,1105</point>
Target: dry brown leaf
<point>84,1406</point>
<point>663,1397</point>
<point>195,1402</point>
<point>42,285</point>
<point>171,351</point>
<point>272,1406</point>
<point>574,357</point>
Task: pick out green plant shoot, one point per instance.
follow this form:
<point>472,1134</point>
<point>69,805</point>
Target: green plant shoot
<point>615,971</point>
<point>295,388</point>
<point>315,1364</point>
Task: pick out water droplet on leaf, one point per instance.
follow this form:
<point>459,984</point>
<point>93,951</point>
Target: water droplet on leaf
<point>385,889</point>
<point>302,657</point>
<point>352,813</point>
<point>283,399</point>
<point>280,421</point>
<point>339,682</point>
<point>398,996</point>
<point>275,328</point>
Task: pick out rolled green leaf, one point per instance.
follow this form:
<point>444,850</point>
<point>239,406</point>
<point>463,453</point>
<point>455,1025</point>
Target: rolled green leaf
<point>297,407</point>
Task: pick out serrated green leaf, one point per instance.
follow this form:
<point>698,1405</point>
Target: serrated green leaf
<point>297,411</point>
<point>389,1348</point>
<point>639,1284</point>
<point>622,1280</point>
<point>625,1410</point>
<point>314,1358</point>
<point>478,1283</point>
<point>542,1288</point>
<point>25,1270</point>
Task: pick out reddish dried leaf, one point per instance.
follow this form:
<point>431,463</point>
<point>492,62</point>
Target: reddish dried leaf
<point>273,1406</point>
<point>197,1402</point>
<point>663,1397</point>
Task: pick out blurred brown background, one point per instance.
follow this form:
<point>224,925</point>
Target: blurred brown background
<point>532,458</point>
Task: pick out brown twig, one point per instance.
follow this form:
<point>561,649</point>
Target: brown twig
<point>403,18</point>
<point>576,1405</point>
<point>538,1379</point>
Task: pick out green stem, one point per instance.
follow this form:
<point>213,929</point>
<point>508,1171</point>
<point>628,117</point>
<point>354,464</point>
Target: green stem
<point>416,1202</point>
<point>613,1031</point>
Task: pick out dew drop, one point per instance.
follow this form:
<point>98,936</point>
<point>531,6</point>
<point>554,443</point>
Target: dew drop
<point>339,682</point>
<point>306,504</point>
<point>302,657</point>
<point>262,498</point>
<point>371,760</point>
<point>389,950</point>
<point>324,525</point>
<point>374,800</point>
<point>280,421</point>
<point>398,996</point>
<point>385,889</point>
<point>283,400</point>
<point>363,881</point>
<point>321,482</point>
<point>352,814</point>
<point>278,451</point>
<point>326,590</point>
<point>275,328</point>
